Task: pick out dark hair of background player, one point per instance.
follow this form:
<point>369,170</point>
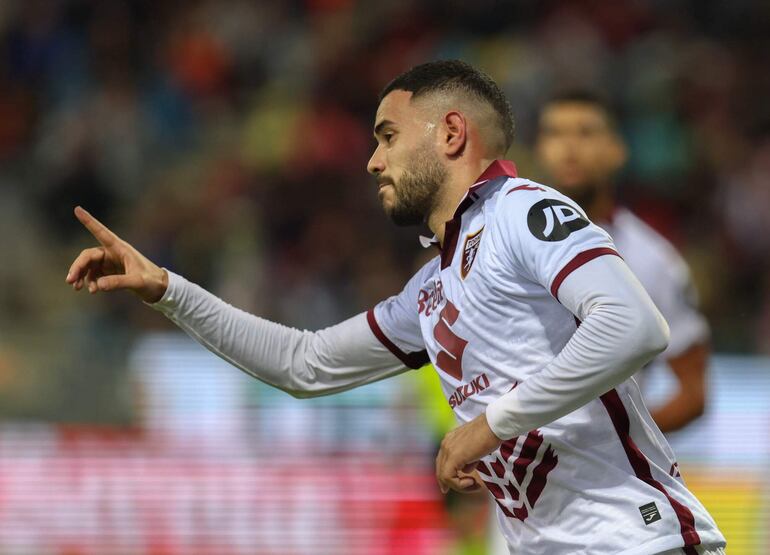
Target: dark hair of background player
<point>588,98</point>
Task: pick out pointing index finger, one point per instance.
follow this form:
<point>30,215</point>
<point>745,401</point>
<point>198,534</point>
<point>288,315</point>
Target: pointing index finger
<point>97,228</point>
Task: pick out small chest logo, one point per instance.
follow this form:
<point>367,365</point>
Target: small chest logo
<point>650,513</point>
<point>470,250</point>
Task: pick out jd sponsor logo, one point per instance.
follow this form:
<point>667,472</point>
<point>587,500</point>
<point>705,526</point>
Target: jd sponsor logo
<point>554,220</point>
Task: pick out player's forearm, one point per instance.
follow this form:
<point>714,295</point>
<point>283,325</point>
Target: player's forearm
<point>621,330</point>
<point>690,369</point>
<point>678,412</point>
<point>302,363</point>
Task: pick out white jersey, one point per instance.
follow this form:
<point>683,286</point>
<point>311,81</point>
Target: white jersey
<point>665,276</point>
<point>600,480</point>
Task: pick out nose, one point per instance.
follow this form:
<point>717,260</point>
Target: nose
<point>376,164</point>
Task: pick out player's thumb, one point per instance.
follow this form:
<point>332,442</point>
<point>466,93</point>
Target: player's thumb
<point>116,282</point>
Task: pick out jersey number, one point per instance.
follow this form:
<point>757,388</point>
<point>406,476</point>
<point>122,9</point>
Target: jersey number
<point>509,479</point>
<point>450,359</point>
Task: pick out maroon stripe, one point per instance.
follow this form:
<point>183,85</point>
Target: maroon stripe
<point>619,417</point>
<point>483,468</point>
<point>506,449</point>
<point>513,491</point>
<point>528,453</point>
<point>498,468</point>
<point>525,188</point>
<point>452,233</point>
<point>411,360</point>
<point>497,493</point>
<point>577,262</point>
<point>540,475</point>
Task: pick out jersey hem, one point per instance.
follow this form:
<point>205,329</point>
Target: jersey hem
<point>668,543</point>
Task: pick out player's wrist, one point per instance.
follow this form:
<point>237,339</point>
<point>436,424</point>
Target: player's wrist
<point>158,288</point>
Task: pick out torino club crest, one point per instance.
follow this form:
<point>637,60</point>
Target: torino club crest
<point>470,250</point>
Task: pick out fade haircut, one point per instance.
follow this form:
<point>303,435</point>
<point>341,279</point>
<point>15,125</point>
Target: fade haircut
<point>588,98</point>
<point>456,76</point>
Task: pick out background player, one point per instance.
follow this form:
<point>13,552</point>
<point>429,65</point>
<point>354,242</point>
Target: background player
<point>581,150</point>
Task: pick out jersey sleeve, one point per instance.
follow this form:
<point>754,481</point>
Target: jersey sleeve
<point>396,322</point>
<point>300,362</point>
<point>546,236</point>
<point>675,295</point>
<point>621,330</point>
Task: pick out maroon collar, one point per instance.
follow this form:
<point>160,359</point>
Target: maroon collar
<point>498,168</point>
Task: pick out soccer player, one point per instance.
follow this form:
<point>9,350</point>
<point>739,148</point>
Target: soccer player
<point>533,322</point>
<point>580,149</point>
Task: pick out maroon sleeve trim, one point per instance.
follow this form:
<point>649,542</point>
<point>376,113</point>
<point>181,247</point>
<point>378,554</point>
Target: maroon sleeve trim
<point>411,360</point>
<point>577,262</point>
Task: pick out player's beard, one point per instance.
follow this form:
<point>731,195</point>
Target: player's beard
<point>417,190</point>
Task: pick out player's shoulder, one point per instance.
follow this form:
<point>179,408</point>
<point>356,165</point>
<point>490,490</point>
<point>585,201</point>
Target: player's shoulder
<point>538,211</point>
<point>519,196</point>
<point>643,238</point>
<point>427,270</point>
<point>430,266</point>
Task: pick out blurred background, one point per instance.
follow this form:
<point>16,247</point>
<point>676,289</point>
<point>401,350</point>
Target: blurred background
<point>227,140</point>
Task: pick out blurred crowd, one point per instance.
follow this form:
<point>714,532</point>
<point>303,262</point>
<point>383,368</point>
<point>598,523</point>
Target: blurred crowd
<point>227,140</point>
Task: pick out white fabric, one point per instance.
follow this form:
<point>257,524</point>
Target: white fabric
<point>569,486</point>
<point>700,550</point>
<point>302,363</point>
<point>621,330</point>
<point>666,277</point>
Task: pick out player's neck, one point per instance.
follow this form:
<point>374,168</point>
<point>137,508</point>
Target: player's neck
<point>452,192</point>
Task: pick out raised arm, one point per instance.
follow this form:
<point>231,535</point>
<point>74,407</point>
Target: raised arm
<point>302,363</point>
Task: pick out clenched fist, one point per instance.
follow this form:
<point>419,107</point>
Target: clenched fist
<point>460,450</point>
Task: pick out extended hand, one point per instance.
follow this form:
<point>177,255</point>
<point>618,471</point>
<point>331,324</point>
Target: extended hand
<point>460,449</point>
<point>114,265</point>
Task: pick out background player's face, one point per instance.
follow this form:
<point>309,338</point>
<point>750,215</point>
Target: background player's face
<point>578,148</point>
<point>406,162</point>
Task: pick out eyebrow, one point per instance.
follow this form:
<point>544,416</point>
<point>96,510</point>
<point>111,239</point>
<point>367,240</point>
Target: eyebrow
<point>378,128</point>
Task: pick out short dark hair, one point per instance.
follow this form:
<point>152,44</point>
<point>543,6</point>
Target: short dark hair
<point>588,97</point>
<point>452,75</point>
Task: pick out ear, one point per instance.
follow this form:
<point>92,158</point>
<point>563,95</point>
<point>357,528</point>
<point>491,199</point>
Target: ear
<point>454,133</point>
